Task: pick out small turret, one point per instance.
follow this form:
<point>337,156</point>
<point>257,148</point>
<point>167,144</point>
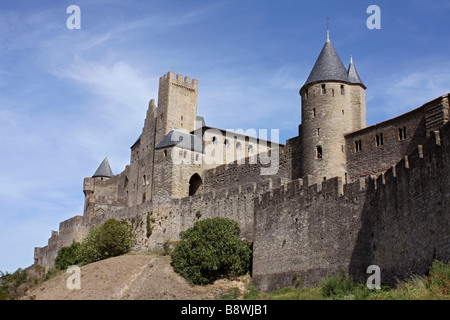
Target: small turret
<point>104,170</point>
<point>333,104</point>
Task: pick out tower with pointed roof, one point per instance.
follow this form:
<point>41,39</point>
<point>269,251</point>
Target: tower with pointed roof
<point>104,170</point>
<point>333,104</point>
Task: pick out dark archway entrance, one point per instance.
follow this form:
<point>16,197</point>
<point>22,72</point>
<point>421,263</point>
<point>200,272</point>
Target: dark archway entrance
<point>195,184</point>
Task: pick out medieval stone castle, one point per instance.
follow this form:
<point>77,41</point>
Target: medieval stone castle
<point>339,196</point>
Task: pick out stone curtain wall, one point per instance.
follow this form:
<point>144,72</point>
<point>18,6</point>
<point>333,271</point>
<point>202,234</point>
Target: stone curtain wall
<point>411,211</point>
<point>373,159</point>
<point>399,222</point>
<point>305,233</point>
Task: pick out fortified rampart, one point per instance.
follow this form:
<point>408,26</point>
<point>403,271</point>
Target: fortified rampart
<point>383,144</point>
<point>158,223</point>
<point>399,222</point>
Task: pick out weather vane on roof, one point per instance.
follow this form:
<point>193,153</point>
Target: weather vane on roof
<point>328,29</point>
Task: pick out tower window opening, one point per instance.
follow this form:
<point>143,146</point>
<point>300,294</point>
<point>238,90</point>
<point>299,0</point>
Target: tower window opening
<point>250,149</point>
<point>314,112</point>
<point>343,112</point>
<point>226,143</point>
<point>332,92</point>
<point>379,139</point>
<point>342,89</point>
<point>165,153</point>
<point>319,152</point>
<point>324,89</point>
<point>358,145</point>
<point>238,146</point>
<point>318,131</point>
<point>143,197</point>
<point>214,140</point>
<point>402,133</point>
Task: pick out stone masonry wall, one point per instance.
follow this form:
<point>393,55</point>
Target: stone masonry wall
<point>410,211</point>
<point>373,158</point>
<point>305,233</point>
<point>400,222</point>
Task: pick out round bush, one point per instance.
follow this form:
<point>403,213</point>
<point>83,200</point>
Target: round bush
<point>211,249</point>
<point>68,256</point>
<point>112,238</point>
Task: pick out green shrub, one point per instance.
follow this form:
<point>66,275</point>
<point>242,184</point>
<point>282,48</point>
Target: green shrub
<point>211,249</point>
<point>13,285</point>
<point>111,239</point>
<point>68,256</point>
<point>337,287</point>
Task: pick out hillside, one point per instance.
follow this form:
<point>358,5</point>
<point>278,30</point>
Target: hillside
<point>136,276</point>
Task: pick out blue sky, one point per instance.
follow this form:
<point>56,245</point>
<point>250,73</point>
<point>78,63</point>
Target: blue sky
<point>69,96</point>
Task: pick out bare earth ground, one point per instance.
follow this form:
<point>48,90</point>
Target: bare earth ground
<point>136,276</point>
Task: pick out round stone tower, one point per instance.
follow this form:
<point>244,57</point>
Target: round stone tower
<point>333,104</point>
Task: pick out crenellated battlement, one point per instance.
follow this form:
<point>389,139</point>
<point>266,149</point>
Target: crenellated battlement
<point>330,189</point>
<point>180,80</point>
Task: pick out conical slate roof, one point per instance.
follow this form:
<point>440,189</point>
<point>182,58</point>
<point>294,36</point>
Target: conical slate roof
<point>353,76</point>
<point>328,67</point>
<point>104,170</point>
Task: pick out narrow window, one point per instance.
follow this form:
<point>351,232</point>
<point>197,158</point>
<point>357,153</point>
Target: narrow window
<point>226,143</point>
<point>319,152</point>
<point>318,131</point>
<point>144,180</point>
<point>358,145</point>
<point>379,139</point>
<point>184,154</point>
<point>238,146</point>
<point>181,118</point>
<point>324,178</point>
<point>214,140</point>
<point>196,157</point>
<point>342,112</point>
<point>165,153</point>
<point>342,89</point>
<point>324,89</point>
<point>314,112</point>
<point>143,197</point>
<point>402,133</point>
<point>332,92</point>
<point>250,149</point>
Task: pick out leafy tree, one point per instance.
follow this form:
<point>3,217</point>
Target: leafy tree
<point>68,256</point>
<point>211,249</point>
<point>112,238</point>
<point>13,285</point>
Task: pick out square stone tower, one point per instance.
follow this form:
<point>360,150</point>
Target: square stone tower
<point>177,104</point>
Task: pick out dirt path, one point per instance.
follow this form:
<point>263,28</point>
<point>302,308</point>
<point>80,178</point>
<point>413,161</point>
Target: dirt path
<point>131,277</point>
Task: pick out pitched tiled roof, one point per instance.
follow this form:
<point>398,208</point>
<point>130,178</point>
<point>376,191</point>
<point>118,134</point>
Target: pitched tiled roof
<point>182,140</point>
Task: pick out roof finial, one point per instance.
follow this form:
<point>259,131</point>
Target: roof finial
<point>328,30</point>
<point>351,59</point>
